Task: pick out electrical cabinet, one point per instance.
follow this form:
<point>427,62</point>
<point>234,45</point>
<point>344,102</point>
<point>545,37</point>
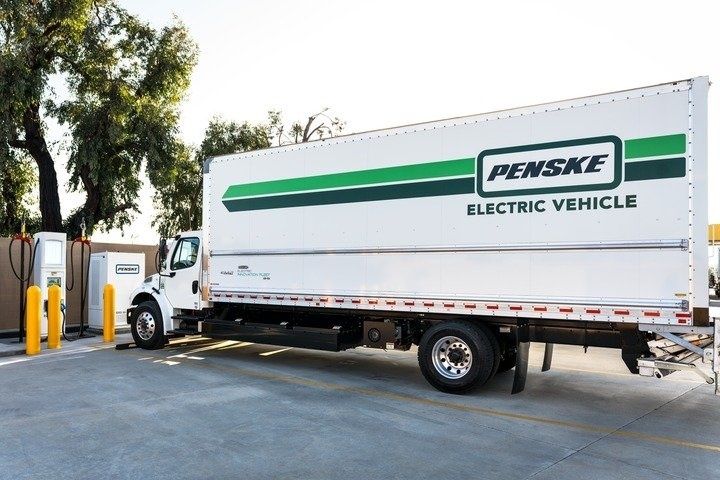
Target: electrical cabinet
<point>125,271</point>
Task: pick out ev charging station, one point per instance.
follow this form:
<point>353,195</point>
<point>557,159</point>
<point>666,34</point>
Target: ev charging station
<point>41,260</point>
<point>49,268</point>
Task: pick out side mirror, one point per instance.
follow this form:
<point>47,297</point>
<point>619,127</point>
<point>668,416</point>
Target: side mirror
<point>160,257</point>
<point>162,249</point>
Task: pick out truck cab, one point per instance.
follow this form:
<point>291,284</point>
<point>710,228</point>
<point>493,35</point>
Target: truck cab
<point>160,302</point>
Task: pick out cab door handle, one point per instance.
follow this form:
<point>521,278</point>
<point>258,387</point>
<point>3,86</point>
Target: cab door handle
<point>195,286</point>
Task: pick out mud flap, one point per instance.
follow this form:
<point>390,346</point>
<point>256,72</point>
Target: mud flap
<point>633,345</point>
<point>547,359</point>
<point>522,338</point>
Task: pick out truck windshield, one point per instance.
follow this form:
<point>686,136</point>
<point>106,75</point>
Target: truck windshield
<point>185,254</point>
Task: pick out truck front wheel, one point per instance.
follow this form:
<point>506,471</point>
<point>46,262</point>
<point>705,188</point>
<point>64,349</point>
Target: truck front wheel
<point>457,356</point>
<point>146,326</point>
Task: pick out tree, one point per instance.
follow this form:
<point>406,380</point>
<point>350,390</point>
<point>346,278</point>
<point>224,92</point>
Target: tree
<point>317,127</point>
<point>178,200</point>
<point>124,80</point>
<point>17,178</point>
<point>179,197</point>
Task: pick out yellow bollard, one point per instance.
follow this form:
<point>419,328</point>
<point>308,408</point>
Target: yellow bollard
<point>33,311</point>
<point>53,316</point>
<point>109,313</point>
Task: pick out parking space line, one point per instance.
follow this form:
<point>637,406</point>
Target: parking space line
<point>42,359</point>
<point>237,345</point>
<point>214,346</point>
<point>189,357</point>
<point>50,354</point>
<point>265,354</point>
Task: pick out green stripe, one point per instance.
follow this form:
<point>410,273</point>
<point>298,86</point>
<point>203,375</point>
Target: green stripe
<point>435,188</point>
<point>421,171</point>
<point>655,146</point>
<point>655,169</point>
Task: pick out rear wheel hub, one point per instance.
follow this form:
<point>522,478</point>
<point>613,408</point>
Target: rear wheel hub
<point>451,357</point>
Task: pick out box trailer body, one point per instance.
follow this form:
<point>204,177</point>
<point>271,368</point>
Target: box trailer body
<point>583,208</point>
<point>590,211</point>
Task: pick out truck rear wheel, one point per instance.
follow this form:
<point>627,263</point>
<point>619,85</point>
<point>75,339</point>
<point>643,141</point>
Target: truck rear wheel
<point>146,326</point>
<point>457,356</point>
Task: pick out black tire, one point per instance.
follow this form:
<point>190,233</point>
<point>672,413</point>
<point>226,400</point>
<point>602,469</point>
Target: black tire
<point>457,337</point>
<point>146,336</point>
<point>497,351</point>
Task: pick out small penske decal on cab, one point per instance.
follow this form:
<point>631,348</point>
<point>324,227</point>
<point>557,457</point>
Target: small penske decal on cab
<point>566,166</point>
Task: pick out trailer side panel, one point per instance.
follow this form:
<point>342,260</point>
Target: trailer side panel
<point>574,210</point>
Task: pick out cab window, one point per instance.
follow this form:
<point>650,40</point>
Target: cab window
<point>185,254</point>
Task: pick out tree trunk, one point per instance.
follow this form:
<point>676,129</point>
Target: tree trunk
<point>47,178</point>
<point>89,212</point>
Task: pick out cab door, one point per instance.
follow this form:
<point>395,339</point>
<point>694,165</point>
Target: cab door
<point>182,283</point>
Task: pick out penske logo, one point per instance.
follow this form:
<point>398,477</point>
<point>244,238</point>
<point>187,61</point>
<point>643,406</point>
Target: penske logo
<point>549,168</point>
<point>127,269</point>
<point>566,166</point>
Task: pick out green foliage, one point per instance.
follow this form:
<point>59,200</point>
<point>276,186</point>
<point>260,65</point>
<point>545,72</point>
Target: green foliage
<point>17,178</point>
<point>179,197</point>
<point>222,137</point>
<point>125,81</point>
<point>178,200</point>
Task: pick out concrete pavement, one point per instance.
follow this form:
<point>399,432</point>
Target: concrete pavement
<point>209,409</point>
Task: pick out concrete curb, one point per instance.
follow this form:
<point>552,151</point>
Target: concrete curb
<point>12,353</point>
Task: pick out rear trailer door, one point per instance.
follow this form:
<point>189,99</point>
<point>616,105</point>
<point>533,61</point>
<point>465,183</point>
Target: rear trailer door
<point>587,209</point>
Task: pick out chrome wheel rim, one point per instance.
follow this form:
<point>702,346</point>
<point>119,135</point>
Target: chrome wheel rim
<point>451,357</point>
<point>145,325</point>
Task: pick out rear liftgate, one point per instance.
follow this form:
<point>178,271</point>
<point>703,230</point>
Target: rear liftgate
<point>679,348</point>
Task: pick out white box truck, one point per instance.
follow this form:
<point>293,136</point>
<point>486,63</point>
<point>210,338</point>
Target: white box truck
<point>580,222</point>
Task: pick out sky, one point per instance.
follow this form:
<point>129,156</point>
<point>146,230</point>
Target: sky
<point>379,64</point>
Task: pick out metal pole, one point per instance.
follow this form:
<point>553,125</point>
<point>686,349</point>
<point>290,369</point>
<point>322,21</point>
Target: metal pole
<point>53,316</point>
<point>21,308</point>
<point>32,346</point>
<point>109,313</point>
<point>716,352</point>
<point>82,286</point>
